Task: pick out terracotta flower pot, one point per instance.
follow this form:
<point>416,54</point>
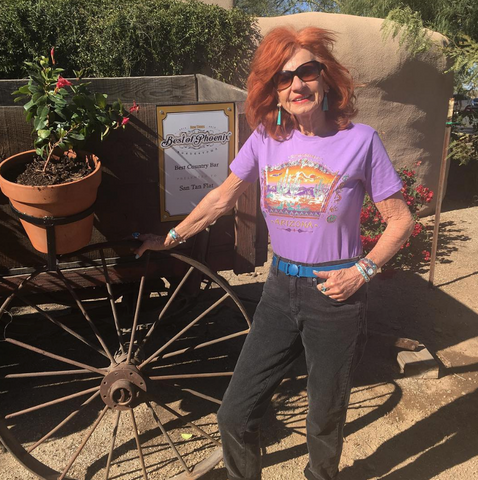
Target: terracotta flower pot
<point>53,201</point>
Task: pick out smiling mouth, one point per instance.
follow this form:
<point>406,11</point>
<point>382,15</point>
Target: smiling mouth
<point>300,99</point>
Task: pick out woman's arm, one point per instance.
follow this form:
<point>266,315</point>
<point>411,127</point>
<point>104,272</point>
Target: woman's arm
<point>341,284</point>
<point>216,203</point>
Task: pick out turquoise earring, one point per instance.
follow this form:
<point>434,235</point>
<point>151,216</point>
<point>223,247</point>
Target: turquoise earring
<point>279,115</point>
<point>325,103</point>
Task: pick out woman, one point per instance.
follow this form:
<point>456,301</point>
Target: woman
<point>314,167</point>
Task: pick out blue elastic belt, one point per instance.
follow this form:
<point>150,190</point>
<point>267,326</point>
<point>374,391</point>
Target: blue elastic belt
<point>297,270</point>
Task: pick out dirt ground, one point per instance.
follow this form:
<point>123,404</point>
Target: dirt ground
<point>398,426</point>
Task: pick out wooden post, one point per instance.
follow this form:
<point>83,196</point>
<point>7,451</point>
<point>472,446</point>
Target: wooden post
<point>441,188</point>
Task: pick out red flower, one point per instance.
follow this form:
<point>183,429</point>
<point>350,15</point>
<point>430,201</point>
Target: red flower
<point>52,55</point>
<point>62,82</point>
<point>124,121</point>
<point>134,108</point>
<point>426,255</point>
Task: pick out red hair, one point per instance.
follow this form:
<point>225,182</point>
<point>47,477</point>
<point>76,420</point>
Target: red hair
<point>275,50</point>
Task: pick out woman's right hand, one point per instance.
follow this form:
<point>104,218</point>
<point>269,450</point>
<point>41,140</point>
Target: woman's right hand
<point>152,242</point>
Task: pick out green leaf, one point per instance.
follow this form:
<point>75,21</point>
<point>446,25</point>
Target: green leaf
<point>60,113</point>
<point>29,105</point>
<point>101,100</point>
<point>186,436</point>
<point>77,136</point>
<point>39,123</point>
<point>24,90</point>
<point>43,134</point>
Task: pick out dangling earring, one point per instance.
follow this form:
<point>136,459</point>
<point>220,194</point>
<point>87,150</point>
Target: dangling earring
<point>279,115</point>
<point>325,103</point>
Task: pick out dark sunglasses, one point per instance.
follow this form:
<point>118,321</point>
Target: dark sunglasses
<point>306,72</point>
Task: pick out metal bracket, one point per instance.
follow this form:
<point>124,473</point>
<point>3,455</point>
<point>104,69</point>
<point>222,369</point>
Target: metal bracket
<point>49,224</point>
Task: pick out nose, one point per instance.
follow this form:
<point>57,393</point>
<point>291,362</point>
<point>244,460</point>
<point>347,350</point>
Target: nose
<point>297,82</point>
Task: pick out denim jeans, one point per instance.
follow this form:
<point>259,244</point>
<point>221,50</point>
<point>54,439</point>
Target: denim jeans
<point>293,316</point>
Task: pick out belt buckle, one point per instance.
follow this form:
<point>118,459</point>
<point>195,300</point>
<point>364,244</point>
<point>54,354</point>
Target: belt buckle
<point>293,269</point>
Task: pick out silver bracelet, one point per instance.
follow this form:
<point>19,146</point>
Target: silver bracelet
<point>175,236</point>
<point>362,272</point>
<point>369,266</point>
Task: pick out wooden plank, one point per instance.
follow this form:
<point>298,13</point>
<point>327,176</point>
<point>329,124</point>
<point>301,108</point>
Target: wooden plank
<point>419,364</point>
<point>170,89</point>
<point>251,236</point>
<point>211,90</point>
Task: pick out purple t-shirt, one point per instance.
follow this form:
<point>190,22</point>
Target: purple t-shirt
<point>312,189</point>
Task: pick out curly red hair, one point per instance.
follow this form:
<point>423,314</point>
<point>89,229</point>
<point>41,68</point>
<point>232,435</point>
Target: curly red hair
<point>277,47</point>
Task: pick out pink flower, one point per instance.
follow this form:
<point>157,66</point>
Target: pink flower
<point>124,121</point>
<point>62,82</point>
<point>134,108</point>
<point>52,55</point>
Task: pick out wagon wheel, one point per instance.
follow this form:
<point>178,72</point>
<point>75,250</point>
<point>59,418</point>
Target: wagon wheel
<point>100,391</point>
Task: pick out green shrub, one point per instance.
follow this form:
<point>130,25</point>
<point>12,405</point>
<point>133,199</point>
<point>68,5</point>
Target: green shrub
<point>128,38</point>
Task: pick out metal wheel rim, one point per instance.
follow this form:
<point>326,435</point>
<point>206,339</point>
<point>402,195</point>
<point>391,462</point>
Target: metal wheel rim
<point>137,367</point>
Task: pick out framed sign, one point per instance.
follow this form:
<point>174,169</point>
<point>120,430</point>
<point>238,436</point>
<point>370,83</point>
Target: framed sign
<point>196,146</point>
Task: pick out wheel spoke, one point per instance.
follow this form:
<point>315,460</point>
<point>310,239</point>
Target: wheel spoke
<point>7,301</point>
<point>168,438</point>
<point>83,443</point>
<point>52,402</point>
<point>205,344</point>
<point>165,309</point>
<point>137,309</point>
<point>111,298</point>
<point>199,430</point>
<point>86,315</point>
<point>54,356</point>
<point>112,446</point>
<point>138,444</point>
<point>198,394</point>
<point>63,327</point>
<point>63,422</point>
<point>46,374</point>
<point>192,375</point>
<point>185,329</point>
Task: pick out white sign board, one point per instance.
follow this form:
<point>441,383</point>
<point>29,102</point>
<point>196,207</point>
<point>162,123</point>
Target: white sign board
<point>196,146</point>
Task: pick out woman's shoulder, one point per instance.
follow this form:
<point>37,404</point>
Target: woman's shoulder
<point>360,129</point>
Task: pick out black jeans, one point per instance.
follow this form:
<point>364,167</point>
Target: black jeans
<point>292,316</point>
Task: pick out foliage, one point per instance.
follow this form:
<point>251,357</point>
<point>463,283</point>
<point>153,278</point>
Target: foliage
<point>129,38</point>
<point>457,20</point>
<point>64,115</point>
<point>274,8</point>
<point>416,251</point>
<point>464,146</point>
<point>408,26</point>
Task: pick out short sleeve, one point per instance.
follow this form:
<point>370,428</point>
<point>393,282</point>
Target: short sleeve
<point>381,180</point>
<point>246,164</point>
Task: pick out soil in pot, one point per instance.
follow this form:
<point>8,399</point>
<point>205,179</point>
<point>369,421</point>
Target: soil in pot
<point>64,168</point>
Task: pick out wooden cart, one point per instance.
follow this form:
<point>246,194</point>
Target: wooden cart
<point>113,367</point>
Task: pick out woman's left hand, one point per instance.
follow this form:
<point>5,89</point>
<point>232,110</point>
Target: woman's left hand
<point>340,284</point>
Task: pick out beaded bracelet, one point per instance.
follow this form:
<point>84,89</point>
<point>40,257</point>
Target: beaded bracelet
<point>362,272</point>
<point>175,236</point>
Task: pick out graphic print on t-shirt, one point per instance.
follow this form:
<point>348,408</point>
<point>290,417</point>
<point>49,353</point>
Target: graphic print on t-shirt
<point>301,187</point>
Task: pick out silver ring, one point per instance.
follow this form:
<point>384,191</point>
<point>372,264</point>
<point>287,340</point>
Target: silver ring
<point>323,288</point>
<point>135,234</point>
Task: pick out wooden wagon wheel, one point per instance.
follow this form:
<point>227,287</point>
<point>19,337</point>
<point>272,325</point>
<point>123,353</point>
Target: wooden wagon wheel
<point>100,390</point>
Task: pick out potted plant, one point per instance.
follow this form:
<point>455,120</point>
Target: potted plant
<point>58,180</point>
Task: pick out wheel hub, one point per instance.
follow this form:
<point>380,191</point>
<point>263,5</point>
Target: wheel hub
<point>123,388</point>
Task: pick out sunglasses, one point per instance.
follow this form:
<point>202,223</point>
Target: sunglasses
<point>306,72</point>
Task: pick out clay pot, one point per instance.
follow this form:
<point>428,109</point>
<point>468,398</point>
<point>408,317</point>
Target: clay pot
<point>53,201</point>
